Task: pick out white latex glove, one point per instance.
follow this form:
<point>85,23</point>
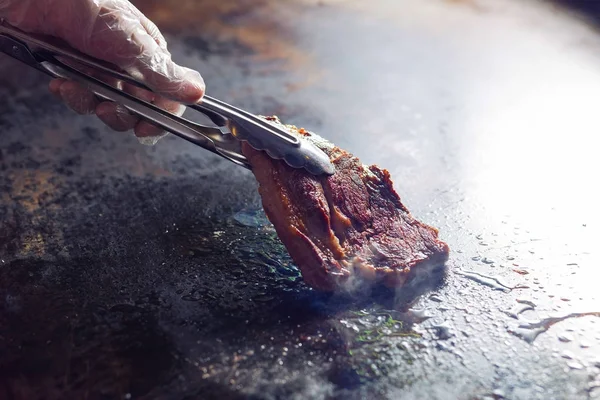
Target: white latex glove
<point>117,32</point>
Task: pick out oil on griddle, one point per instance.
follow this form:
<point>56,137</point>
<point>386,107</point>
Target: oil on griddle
<point>145,273</point>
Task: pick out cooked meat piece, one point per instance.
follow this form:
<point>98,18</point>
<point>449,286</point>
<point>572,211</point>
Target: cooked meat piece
<point>345,229</point>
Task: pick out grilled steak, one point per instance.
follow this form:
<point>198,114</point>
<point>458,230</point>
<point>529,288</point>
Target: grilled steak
<point>345,229</point>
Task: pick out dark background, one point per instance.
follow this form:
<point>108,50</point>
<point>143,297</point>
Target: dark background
<point>151,273</point>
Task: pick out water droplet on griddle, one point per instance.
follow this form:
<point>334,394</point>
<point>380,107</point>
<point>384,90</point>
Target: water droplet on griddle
<point>518,309</point>
<point>567,354</point>
<point>252,217</point>
<point>565,338</point>
<point>263,298</point>
<point>487,260</point>
<point>575,365</point>
<point>485,280</point>
<point>531,330</point>
<point>527,334</point>
<point>436,298</point>
<point>419,314</point>
<point>443,330</point>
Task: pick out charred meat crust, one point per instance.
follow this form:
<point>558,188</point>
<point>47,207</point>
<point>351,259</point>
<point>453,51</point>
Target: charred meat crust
<point>347,228</point>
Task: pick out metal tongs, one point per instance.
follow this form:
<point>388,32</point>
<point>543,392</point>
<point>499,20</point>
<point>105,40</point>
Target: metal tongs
<point>232,125</point>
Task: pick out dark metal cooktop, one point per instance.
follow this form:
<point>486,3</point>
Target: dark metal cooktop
<point>129,272</point>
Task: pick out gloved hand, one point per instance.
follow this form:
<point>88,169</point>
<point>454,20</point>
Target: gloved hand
<point>117,32</point>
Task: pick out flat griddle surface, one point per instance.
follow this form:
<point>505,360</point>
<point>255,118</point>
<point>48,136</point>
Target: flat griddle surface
<point>135,272</point>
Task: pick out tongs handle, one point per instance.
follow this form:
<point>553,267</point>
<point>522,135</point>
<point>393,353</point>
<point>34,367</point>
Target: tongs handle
<point>43,53</point>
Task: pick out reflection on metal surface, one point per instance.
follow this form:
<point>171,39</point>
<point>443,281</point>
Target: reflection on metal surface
<point>531,330</point>
<point>489,281</point>
<point>165,281</point>
<point>34,190</point>
<point>30,186</point>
